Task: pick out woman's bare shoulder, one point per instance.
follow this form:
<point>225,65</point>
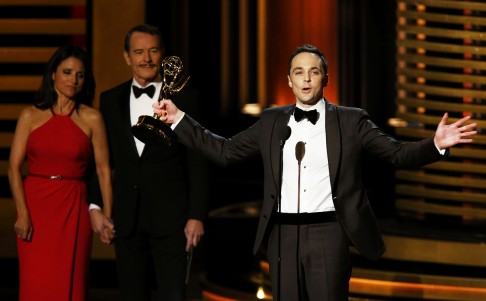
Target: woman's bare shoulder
<point>31,113</point>
<point>90,114</point>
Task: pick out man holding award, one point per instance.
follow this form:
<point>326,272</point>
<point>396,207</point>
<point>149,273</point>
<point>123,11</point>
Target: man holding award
<point>308,228</point>
<point>159,189</point>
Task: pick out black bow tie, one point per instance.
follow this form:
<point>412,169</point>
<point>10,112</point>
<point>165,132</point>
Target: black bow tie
<point>150,90</point>
<point>310,115</point>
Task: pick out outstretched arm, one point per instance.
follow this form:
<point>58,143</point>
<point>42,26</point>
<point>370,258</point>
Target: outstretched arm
<point>448,135</point>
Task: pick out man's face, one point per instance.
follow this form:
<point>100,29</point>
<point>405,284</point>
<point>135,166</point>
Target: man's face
<point>307,78</point>
<point>144,57</point>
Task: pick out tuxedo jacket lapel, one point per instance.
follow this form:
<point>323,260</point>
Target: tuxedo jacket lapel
<point>281,121</point>
<point>333,138</point>
<point>126,125</point>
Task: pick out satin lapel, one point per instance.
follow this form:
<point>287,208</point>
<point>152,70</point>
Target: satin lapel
<point>333,137</point>
<point>282,120</point>
<point>126,123</point>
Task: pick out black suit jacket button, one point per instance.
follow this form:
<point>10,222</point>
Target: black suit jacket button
<point>135,187</point>
<point>272,196</point>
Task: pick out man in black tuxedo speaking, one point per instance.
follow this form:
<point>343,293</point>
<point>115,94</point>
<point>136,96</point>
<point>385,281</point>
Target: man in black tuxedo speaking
<point>314,203</point>
<point>160,191</point>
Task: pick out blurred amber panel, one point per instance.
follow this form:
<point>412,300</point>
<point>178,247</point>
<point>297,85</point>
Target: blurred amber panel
<point>290,24</point>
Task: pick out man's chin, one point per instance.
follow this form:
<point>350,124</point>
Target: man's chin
<point>309,102</point>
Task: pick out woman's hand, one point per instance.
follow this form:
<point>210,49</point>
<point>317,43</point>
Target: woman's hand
<point>23,227</point>
<point>102,225</point>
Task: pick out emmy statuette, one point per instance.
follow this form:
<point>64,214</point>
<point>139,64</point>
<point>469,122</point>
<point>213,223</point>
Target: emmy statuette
<point>150,129</point>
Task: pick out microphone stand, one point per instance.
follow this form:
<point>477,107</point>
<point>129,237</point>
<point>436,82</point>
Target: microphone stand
<point>299,155</point>
<point>279,243</point>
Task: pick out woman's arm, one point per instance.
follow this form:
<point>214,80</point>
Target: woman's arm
<point>102,163</point>
<point>23,225</point>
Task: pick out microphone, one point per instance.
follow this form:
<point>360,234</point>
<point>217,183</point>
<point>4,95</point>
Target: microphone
<point>299,151</point>
<point>284,134</point>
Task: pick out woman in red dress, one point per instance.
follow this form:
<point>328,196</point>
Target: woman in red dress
<point>58,136</point>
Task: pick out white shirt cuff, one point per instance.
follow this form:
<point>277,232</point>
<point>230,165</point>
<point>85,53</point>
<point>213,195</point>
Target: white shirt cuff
<point>94,206</point>
<point>441,151</point>
<point>173,126</point>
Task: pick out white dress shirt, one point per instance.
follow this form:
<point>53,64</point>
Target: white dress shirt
<point>142,106</point>
<point>315,184</point>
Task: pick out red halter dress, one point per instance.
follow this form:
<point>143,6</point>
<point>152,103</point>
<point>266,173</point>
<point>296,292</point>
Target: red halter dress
<point>54,265</point>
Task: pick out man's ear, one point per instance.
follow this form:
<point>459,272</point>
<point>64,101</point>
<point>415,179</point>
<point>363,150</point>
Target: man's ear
<point>325,80</point>
<point>289,82</point>
<point>127,58</point>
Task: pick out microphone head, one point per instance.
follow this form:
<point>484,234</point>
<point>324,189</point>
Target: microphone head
<point>299,150</point>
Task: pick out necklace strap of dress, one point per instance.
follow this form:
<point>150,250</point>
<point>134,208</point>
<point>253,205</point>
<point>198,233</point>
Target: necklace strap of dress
<point>72,110</point>
<point>69,114</point>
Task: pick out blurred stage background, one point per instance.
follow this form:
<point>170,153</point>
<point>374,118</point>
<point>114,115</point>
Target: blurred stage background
<point>405,62</point>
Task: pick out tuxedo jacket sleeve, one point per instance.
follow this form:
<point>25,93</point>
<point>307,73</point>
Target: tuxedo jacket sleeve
<point>350,134</point>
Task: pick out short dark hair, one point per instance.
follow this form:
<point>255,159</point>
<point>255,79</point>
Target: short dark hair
<point>311,49</point>
<point>144,28</point>
<point>47,96</point>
